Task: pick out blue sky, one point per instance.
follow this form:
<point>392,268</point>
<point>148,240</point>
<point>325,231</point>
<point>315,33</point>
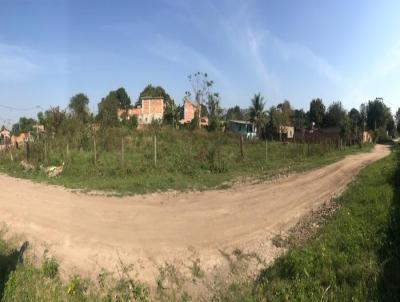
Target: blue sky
<point>295,50</point>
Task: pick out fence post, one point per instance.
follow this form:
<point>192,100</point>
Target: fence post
<point>241,147</point>
<point>155,150</point>
<point>27,151</point>
<point>94,149</point>
<point>67,152</point>
<point>122,151</point>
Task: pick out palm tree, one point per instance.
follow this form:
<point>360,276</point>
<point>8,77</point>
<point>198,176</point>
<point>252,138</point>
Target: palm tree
<point>257,113</point>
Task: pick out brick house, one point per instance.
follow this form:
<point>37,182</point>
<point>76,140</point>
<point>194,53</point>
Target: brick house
<point>152,108</point>
<point>189,111</point>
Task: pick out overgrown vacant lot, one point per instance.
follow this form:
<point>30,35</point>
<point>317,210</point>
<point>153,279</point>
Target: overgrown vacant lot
<point>129,162</point>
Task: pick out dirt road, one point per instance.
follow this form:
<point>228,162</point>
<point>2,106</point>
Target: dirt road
<point>87,232</point>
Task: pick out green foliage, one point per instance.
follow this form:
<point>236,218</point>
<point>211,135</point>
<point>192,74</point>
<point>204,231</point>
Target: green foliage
<point>335,115</point>
<point>108,107</point>
<point>79,107</point>
<point>153,92</point>
<point>256,110</point>
<point>377,114</point>
<point>317,112</point>
<point>123,99</point>
<point>24,125</point>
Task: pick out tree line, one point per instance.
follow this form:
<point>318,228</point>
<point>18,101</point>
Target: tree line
<point>373,115</point>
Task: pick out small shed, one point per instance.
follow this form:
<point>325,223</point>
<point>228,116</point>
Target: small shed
<point>287,130</point>
<point>244,128</point>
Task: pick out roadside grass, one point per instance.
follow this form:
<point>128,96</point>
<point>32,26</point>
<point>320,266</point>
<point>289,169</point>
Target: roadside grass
<point>356,255</point>
<point>186,160</point>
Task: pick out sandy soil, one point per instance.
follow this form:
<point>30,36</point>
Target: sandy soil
<point>88,232</point>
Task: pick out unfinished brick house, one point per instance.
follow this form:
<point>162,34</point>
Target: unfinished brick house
<point>152,108</point>
<point>189,111</point>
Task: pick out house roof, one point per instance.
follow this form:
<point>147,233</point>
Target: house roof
<point>241,122</point>
<point>152,98</point>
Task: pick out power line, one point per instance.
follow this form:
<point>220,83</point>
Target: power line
<point>20,109</point>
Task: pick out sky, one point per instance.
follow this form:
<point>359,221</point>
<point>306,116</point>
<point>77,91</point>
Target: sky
<point>346,51</point>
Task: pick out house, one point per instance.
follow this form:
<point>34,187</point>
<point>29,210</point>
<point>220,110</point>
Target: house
<point>288,131</point>
<point>21,139</point>
<point>244,128</point>
<point>366,137</point>
<point>189,111</point>
<point>38,128</point>
<point>5,136</point>
<point>151,109</point>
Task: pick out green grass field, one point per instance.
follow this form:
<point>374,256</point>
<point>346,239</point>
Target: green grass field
<point>185,160</point>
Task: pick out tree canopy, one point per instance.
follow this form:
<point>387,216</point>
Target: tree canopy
<point>378,114</point>
<point>78,105</point>
<point>317,112</point>
<point>256,110</point>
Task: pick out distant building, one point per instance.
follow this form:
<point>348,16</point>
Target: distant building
<point>287,131</point>
<point>5,136</point>
<point>244,128</point>
<point>189,111</point>
<point>366,137</point>
<point>21,139</point>
<point>38,128</point>
<point>152,108</point>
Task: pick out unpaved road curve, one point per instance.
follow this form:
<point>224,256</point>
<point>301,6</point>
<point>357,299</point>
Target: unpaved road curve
<point>86,231</point>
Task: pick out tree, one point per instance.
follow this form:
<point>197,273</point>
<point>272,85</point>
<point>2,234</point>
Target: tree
<point>214,112</point>
<point>397,117</point>
<point>317,112</point>
<point>108,107</point>
<point>345,128</point>
<point>257,113</point>
<point>78,105</point>
<point>299,119</point>
<point>123,98</point>
<point>151,91</point>
<point>334,115</point>
<point>286,113</point>
<point>201,87</point>
<point>391,126</point>
<point>52,119</point>
<point>234,113</point>
<point>24,125</point>
<point>355,120</point>
<point>378,114</point>
<point>172,113</point>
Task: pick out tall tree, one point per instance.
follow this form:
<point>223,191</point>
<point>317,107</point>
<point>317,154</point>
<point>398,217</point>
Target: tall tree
<point>107,110</point>
<point>378,114</point>
<point>317,112</point>
<point>214,111</point>
<point>299,118</point>
<point>78,105</point>
<point>24,125</point>
<point>201,87</point>
<point>234,113</point>
<point>123,98</point>
<point>397,117</point>
<point>257,113</point>
<point>334,115</point>
<point>355,120</point>
<point>286,113</point>
<point>153,92</point>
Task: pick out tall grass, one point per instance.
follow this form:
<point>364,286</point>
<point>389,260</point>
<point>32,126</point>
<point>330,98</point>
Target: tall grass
<point>120,160</point>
